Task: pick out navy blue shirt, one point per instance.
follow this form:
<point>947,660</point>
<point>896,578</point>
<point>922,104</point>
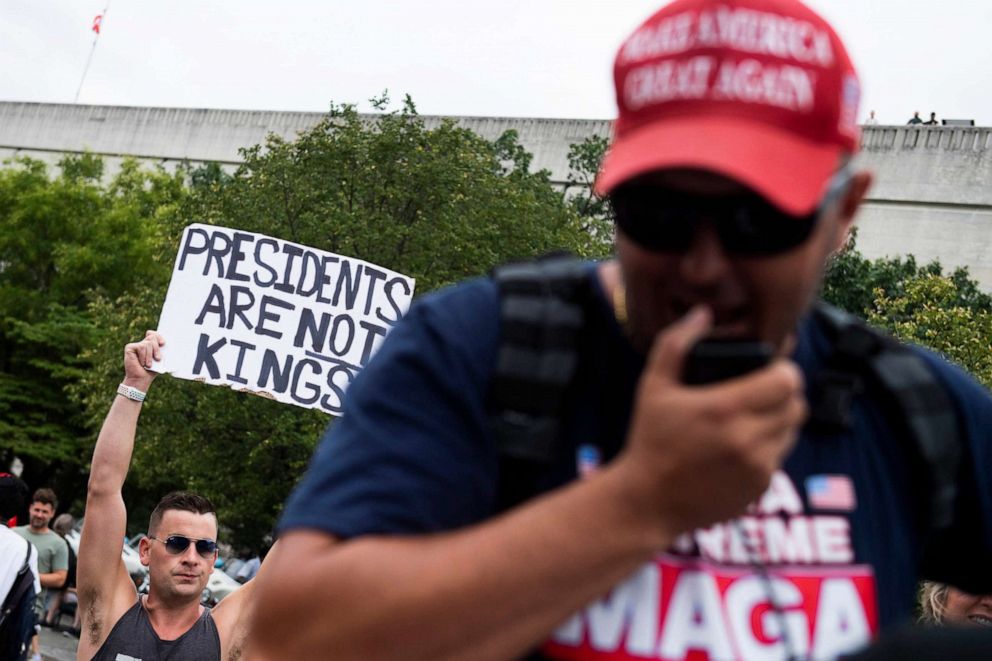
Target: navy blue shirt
<point>414,453</point>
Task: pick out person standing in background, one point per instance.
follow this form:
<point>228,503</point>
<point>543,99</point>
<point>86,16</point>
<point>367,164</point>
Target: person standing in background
<point>67,595</point>
<point>53,552</point>
<point>943,604</point>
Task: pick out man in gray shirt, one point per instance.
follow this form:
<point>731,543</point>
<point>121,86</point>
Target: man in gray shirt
<point>180,551</point>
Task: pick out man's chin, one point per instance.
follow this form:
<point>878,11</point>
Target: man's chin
<point>188,590</point>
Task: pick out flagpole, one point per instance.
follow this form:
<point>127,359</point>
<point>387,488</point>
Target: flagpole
<point>92,50</point>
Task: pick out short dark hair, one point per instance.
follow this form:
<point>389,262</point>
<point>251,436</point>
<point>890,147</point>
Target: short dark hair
<point>45,497</point>
<point>185,501</point>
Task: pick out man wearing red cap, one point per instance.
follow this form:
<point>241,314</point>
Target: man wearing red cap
<point>670,521</point>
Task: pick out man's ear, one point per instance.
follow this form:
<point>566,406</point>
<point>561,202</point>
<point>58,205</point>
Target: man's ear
<point>144,550</point>
<point>861,182</point>
<point>849,204</point>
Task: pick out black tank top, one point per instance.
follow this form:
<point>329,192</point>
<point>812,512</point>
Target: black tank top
<point>134,639</point>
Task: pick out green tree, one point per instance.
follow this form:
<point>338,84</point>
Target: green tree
<point>921,304</point>
<point>929,310</point>
<point>437,204</point>
<point>852,281</point>
<point>64,240</point>
<point>584,159</point>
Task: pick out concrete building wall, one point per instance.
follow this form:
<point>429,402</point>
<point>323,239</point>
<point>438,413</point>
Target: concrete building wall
<point>932,197</point>
<point>171,135</point>
<point>937,165</point>
<point>953,236</point>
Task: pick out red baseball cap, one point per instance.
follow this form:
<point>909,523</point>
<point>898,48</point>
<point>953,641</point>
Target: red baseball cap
<point>760,91</point>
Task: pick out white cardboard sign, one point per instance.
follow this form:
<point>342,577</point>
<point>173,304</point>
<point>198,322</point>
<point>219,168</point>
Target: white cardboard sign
<point>273,317</point>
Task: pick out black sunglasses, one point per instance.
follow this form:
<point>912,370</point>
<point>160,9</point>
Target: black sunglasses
<point>665,220</point>
<point>176,544</point>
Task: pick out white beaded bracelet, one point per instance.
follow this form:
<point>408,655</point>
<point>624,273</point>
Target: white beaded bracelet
<point>131,393</point>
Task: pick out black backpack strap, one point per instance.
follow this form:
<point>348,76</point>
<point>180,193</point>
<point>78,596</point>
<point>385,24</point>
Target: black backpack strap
<point>917,402</point>
<point>22,583</point>
<point>542,314</point>
<point>842,379</point>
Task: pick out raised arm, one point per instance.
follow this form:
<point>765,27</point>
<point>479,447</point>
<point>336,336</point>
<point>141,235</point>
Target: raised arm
<point>491,591</point>
<point>105,590</point>
<point>497,589</point>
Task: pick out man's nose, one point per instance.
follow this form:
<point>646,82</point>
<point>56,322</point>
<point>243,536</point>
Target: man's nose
<point>706,260</point>
<point>190,554</point>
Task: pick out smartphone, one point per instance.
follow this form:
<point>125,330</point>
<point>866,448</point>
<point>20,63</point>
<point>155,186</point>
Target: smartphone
<point>710,361</point>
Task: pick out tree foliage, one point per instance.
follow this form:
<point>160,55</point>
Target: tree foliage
<point>852,281</point>
<point>64,240</point>
<point>438,205</point>
<point>584,159</point>
<point>921,304</point>
<point>930,311</point>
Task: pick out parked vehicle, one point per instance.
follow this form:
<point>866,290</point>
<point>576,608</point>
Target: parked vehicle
<point>130,556</point>
<point>219,586</point>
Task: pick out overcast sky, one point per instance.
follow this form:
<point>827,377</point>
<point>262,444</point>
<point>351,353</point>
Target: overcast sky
<point>539,58</point>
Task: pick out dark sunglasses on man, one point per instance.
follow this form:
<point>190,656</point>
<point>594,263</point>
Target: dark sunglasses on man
<point>662,219</point>
<point>176,544</point>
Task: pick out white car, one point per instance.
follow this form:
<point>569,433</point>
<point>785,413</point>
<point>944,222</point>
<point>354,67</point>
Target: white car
<point>130,556</point>
<point>219,586</point>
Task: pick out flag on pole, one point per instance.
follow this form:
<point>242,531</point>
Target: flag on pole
<point>97,22</point>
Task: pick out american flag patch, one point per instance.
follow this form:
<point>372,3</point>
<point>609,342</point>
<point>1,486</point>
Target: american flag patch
<point>586,460</point>
<point>830,492</point>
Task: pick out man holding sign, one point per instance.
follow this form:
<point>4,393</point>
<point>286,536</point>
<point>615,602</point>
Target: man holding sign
<point>179,551</point>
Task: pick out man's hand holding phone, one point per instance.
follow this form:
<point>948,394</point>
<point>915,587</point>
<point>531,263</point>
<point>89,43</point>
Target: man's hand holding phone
<point>712,361</point>
<point>699,454</point>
